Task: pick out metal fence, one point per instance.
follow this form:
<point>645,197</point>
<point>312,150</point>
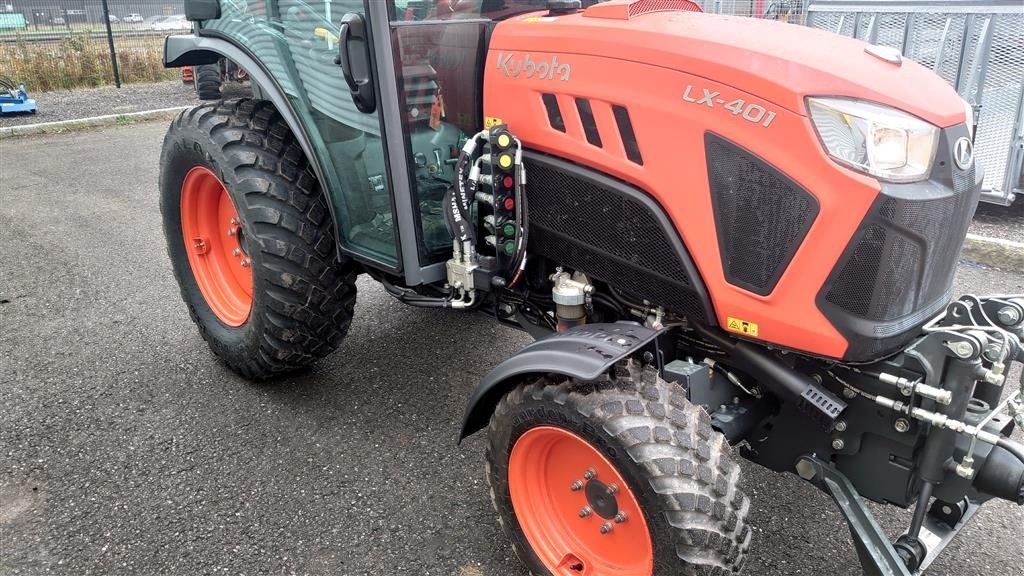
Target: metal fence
<point>975,45</point>
<point>64,44</point>
<point>784,10</point>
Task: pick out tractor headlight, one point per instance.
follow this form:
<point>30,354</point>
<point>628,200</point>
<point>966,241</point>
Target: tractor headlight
<point>876,139</point>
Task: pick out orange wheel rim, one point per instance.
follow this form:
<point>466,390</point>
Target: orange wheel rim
<point>213,235</point>
<point>575,508</point>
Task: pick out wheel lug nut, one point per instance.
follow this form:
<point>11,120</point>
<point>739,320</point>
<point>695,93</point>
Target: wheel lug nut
<point>236,252</point>
<point>585,511</point>
<point>235,221</point>
<point>606,528</point>
<point>576,486</point>
<point>620,518</point>
<point>245,263</point>
<point>613,489</point>
<point>590,474</point>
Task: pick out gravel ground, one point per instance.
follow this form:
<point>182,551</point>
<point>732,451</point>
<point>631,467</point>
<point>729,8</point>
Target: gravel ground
<point>128,449</point>
<point>89,102</point>
<point>1000,221</point>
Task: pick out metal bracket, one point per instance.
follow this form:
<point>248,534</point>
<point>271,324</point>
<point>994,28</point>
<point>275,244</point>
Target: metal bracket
<point>877,555</point>
<point>936,535</point>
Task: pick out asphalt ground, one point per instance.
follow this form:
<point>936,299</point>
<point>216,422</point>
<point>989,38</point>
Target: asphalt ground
<point>126,448</point>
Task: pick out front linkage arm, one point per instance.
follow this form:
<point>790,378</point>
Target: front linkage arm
<point>878,556</point>
<point>965,353</point>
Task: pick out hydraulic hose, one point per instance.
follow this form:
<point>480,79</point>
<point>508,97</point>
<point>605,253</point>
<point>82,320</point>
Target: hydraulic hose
<point>413,298</point>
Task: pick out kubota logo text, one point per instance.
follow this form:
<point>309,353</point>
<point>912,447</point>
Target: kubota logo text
<point>544,70</point>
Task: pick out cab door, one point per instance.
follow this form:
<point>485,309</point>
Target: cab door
<point>320,54</point>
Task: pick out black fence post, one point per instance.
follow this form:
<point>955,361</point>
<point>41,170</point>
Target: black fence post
<point>110,43</point>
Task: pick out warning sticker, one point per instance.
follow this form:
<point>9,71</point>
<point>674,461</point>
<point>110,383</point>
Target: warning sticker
<point>491,121</point>
<point>741,326</point>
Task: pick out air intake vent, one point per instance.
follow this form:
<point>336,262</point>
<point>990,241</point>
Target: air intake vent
<point>761,215</point>
<point>589,124</point>
<point>625,11</point>
<point>554,112</point>
<point>612,232</point>
<point>629,142</point>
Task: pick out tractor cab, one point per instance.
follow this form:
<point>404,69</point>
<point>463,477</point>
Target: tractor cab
<point>386,94</point>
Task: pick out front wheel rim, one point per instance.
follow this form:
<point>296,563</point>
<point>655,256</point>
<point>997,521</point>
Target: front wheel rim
<point>574,507</point>
<point>213,236</point>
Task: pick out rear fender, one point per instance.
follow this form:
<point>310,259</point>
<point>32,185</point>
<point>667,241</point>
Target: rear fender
<point>193,50</point>
<point>583,352</point>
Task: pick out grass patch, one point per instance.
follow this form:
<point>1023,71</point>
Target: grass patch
<point>78,60</point>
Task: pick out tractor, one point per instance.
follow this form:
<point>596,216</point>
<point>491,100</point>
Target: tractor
<point>729,237</point>
<point>209,79</point>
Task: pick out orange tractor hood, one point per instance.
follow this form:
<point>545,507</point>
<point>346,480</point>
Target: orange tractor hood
<point>781,63</point>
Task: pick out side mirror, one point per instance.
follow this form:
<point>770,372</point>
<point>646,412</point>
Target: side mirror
<point>196,10</point>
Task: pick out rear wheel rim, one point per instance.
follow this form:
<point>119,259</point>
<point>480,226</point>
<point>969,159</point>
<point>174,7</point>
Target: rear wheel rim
<point>213,236</point>
<point>574,507</point>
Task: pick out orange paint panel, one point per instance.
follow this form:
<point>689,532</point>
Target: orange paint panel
<point>745,53</point>
<point>670,132</point>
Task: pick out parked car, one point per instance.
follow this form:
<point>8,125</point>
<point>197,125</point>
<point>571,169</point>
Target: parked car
<point>113,19</point>
<point>58,21</point>
<point>132,18</point>
<point>173,22</point>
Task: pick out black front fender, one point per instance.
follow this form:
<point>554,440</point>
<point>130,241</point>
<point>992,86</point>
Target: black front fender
<point>584,352</point>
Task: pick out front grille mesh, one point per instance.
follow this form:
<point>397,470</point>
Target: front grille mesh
<point>899,272</point>
<point>608,235</point>
<point>762,216</point>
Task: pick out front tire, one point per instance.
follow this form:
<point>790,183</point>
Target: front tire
<point>556,445</point>
<point>251,240</point>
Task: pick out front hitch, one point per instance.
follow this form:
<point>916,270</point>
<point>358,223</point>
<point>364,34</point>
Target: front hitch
<point>878,556</point>
<point>966,412</point>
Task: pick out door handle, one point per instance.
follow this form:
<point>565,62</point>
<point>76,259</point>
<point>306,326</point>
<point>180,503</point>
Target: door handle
<point>354,59</point>
<point>343,57</point>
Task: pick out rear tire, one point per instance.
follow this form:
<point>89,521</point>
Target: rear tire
<point>208,81</point>
<point>302,296</point>
<point>674,464</point>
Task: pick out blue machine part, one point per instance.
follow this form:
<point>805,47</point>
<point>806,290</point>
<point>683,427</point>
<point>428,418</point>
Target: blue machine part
<point>15,101</point>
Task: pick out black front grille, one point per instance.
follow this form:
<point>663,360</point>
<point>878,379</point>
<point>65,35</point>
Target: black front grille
<point>898,270</point>
<point>905,260</point>
<point>761,215</point>
<point>611,232</point>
